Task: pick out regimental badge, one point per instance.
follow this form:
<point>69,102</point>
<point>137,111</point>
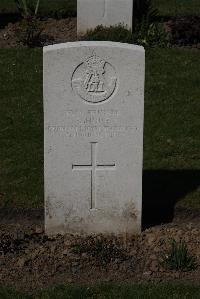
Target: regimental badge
<point>94,80</point>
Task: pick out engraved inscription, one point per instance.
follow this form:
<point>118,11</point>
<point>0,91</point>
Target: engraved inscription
<point>94,80</point>
<point>92,117</point>
<point>93,167</point>
<point>92,131</point>
<point>94,123</point>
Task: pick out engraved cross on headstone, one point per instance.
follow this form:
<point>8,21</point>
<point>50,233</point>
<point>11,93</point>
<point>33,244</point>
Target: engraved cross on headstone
<point>93,167</point>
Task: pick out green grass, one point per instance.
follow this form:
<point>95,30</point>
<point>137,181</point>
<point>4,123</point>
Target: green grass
<point>108,291</point>
<point>47,7</point>
<point>172,109</point>
<point>165,7</point>
<point>172,125</point>
<point>21,133</point>
<point>177,7</point>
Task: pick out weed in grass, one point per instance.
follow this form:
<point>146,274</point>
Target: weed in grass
<point>146,31</point>
<point>178,258</point>
<point>151,35</point>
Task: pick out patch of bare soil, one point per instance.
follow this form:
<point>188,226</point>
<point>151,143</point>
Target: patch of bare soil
<point>185,31</point>
<point>54,31</point>
<point>30,260</point>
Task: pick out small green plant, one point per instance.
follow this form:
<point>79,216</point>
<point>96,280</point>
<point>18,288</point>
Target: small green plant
<point>29,29</point>
<point>146,30</point>
<point>151,35</point>
<point>178,258</point>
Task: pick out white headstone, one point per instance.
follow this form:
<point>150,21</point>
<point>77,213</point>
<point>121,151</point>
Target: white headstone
<point>93,117</point>
<point>91,13</point>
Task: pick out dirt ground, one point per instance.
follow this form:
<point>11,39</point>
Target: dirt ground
<point>30,260</point>
<point>54,31</point>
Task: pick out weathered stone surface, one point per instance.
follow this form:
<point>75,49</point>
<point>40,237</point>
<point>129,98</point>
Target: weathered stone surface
<point>91,13</point>
<point>93,119</point>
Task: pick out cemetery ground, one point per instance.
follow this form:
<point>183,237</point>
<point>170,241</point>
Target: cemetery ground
<point>29,260</point>
<point>57,22</point>
<point>171,208</point>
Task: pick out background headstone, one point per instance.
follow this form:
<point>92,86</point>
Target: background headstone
<point>91,13</point>
<point>93,120</point>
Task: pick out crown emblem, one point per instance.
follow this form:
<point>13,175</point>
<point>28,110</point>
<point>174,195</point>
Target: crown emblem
<point>95,63</point>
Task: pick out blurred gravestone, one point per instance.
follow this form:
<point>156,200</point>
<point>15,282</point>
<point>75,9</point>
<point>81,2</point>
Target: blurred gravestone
<point>91,13</point>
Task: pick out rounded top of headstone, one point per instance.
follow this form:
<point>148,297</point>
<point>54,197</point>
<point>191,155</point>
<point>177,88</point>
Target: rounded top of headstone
<point>93,44</point>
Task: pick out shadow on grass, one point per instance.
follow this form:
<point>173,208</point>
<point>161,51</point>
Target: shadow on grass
<point>162,189</point>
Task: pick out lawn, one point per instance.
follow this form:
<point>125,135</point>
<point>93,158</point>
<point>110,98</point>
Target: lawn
<point>47,7</point>
<point>165,8</point>
<point>108,291</point>
<point>171,135</point>
<point>177,7</point>
<point>21,135</point>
